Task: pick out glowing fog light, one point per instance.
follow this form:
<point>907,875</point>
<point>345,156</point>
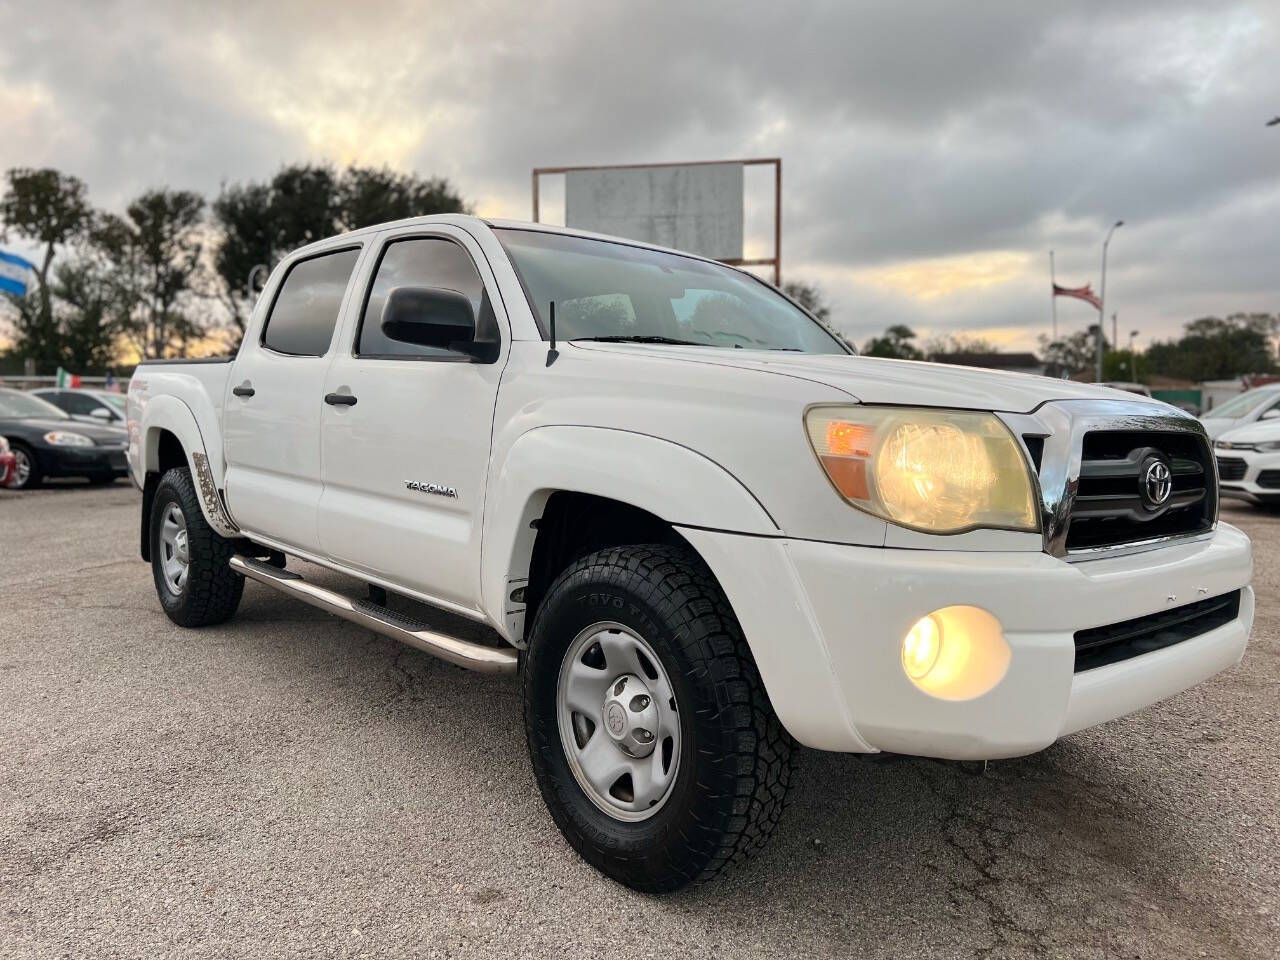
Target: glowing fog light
<point>920,648</point>
<point>956,653</point>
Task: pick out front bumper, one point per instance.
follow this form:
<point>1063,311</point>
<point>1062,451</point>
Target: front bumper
<point>826,622</point>
<point>83,461</point>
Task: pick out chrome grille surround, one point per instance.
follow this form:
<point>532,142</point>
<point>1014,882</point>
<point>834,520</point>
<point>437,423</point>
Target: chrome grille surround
<point>1063,424</point>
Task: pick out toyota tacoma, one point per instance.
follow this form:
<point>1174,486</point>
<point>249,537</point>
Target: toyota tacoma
<point>700,528</point>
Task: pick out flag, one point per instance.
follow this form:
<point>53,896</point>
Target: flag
<point>67,380</point>
<point>1080,293</point>
<point>14,271</point>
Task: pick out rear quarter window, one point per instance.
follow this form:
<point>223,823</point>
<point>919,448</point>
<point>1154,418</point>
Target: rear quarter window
<point>306,308</point>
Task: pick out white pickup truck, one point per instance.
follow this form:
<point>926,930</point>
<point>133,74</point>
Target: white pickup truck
<point>700,528</point>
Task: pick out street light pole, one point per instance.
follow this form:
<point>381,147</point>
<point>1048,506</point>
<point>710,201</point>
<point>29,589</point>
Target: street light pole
<point>1102,296</point>
<point>1133,357</point>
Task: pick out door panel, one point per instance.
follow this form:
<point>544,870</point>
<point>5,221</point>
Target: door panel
<point>405,466</point>
<point>274,401</point>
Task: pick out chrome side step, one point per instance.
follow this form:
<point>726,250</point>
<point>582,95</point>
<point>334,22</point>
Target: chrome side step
<point>462,653</point>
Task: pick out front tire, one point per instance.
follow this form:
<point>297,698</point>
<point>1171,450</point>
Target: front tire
<point>189,560</point>
<point>683,768</point>
<point>26,471</point>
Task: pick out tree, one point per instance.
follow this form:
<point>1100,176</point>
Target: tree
<point>809,296</point>
<point>51,209</point>
<point>369,195</point>
<point>897,342</point>
<point>1215,349</point>
<point>156,249</point>
<point>247,240</point>
<point>261,222</point>
<point>959,343</point>
<point>89,309</point>
<point>1075,353</point>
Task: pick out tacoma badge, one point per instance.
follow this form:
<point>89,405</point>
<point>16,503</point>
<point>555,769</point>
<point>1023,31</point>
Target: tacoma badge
<point>439,489</point>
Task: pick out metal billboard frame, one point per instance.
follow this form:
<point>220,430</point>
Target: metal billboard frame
<point>775,261</point>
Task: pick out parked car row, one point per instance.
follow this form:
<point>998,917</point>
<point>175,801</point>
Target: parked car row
<point>40,439</point>
<point>1246,444</point>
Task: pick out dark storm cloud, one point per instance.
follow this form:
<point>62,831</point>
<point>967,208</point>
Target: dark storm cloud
<point>910,132</point>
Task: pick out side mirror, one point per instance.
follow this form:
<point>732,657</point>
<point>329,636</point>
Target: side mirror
<point>434,317</point>
<point>101,413</point>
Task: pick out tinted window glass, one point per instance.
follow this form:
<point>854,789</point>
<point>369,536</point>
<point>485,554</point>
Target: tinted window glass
<point>306,308</point>
<point>420,262</point>
<point>83,404</point>
<point>617,290</point>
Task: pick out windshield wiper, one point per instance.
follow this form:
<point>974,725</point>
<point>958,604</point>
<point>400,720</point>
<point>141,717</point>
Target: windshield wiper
<point>644,338</point>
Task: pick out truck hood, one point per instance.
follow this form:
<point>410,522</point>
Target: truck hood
<point>877,380</point>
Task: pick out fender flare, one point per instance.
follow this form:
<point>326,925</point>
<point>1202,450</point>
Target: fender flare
<point>670,481</point>
<point>168,413</point>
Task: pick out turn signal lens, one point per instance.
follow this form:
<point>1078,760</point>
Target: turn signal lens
<point>942,471</point>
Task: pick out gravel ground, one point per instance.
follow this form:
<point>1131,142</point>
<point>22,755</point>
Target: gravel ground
<point>290,785</point>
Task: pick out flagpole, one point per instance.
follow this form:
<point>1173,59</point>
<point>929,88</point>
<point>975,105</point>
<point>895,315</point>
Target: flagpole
<point>1102,297</point>
<point>1053,296</point>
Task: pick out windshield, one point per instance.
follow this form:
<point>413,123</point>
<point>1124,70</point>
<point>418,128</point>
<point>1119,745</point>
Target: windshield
<point>606,290</point>
<point>14,403</point>
<point>1241,406</point>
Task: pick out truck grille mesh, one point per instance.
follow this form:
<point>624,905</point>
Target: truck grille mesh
<point>1110,506</point>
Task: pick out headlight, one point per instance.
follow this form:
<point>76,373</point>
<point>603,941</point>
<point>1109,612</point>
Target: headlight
<point>62,438</point>
<point>942,471</point>
<point>1269,445</point>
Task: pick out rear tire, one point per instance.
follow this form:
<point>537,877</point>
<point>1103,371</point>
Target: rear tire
<point>189,559</point>
<point>735,762</point>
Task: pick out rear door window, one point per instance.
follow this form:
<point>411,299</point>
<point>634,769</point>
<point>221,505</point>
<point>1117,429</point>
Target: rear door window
<point>306,308</point>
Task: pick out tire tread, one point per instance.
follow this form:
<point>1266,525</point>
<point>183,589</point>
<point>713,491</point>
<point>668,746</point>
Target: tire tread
<point>757,764</point>
<point>213,589</point>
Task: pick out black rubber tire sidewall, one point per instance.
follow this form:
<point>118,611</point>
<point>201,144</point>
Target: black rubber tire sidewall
<point>212,590</point>
<point>686,838</point>
<point>36,475</point>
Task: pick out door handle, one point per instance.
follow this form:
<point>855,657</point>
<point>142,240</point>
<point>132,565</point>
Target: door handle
<point>244,390</point>
<point>340,399</point>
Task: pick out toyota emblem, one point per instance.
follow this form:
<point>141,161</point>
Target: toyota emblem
<point>1157,483</point>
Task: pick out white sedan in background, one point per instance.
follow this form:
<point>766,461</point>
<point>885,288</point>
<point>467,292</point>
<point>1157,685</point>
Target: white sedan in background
<point>1249,462</point>
<point>1261,403</point>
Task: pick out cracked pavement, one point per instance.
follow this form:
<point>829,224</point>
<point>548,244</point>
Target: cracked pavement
<point>291,785</point>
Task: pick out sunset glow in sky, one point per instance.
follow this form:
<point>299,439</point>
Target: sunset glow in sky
<point>933,153</point>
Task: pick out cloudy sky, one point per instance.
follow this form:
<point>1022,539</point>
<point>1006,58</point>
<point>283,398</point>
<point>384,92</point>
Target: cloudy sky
<point>933,152</point>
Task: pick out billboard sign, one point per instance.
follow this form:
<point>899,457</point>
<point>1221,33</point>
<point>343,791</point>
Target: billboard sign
<point>698,207</point>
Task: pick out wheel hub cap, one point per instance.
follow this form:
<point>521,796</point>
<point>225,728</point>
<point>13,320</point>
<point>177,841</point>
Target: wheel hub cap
<point>630,716</point>
<point>618,720</point>
<point>175,551</point>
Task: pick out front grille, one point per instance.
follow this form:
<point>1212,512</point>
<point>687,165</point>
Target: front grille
<point>1111,505</point>
<point>1100,646</point>
<point>1269,479</point>
<point>1231,468</point>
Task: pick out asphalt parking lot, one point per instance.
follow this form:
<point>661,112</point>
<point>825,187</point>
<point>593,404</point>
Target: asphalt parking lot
<point>290,785</point>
